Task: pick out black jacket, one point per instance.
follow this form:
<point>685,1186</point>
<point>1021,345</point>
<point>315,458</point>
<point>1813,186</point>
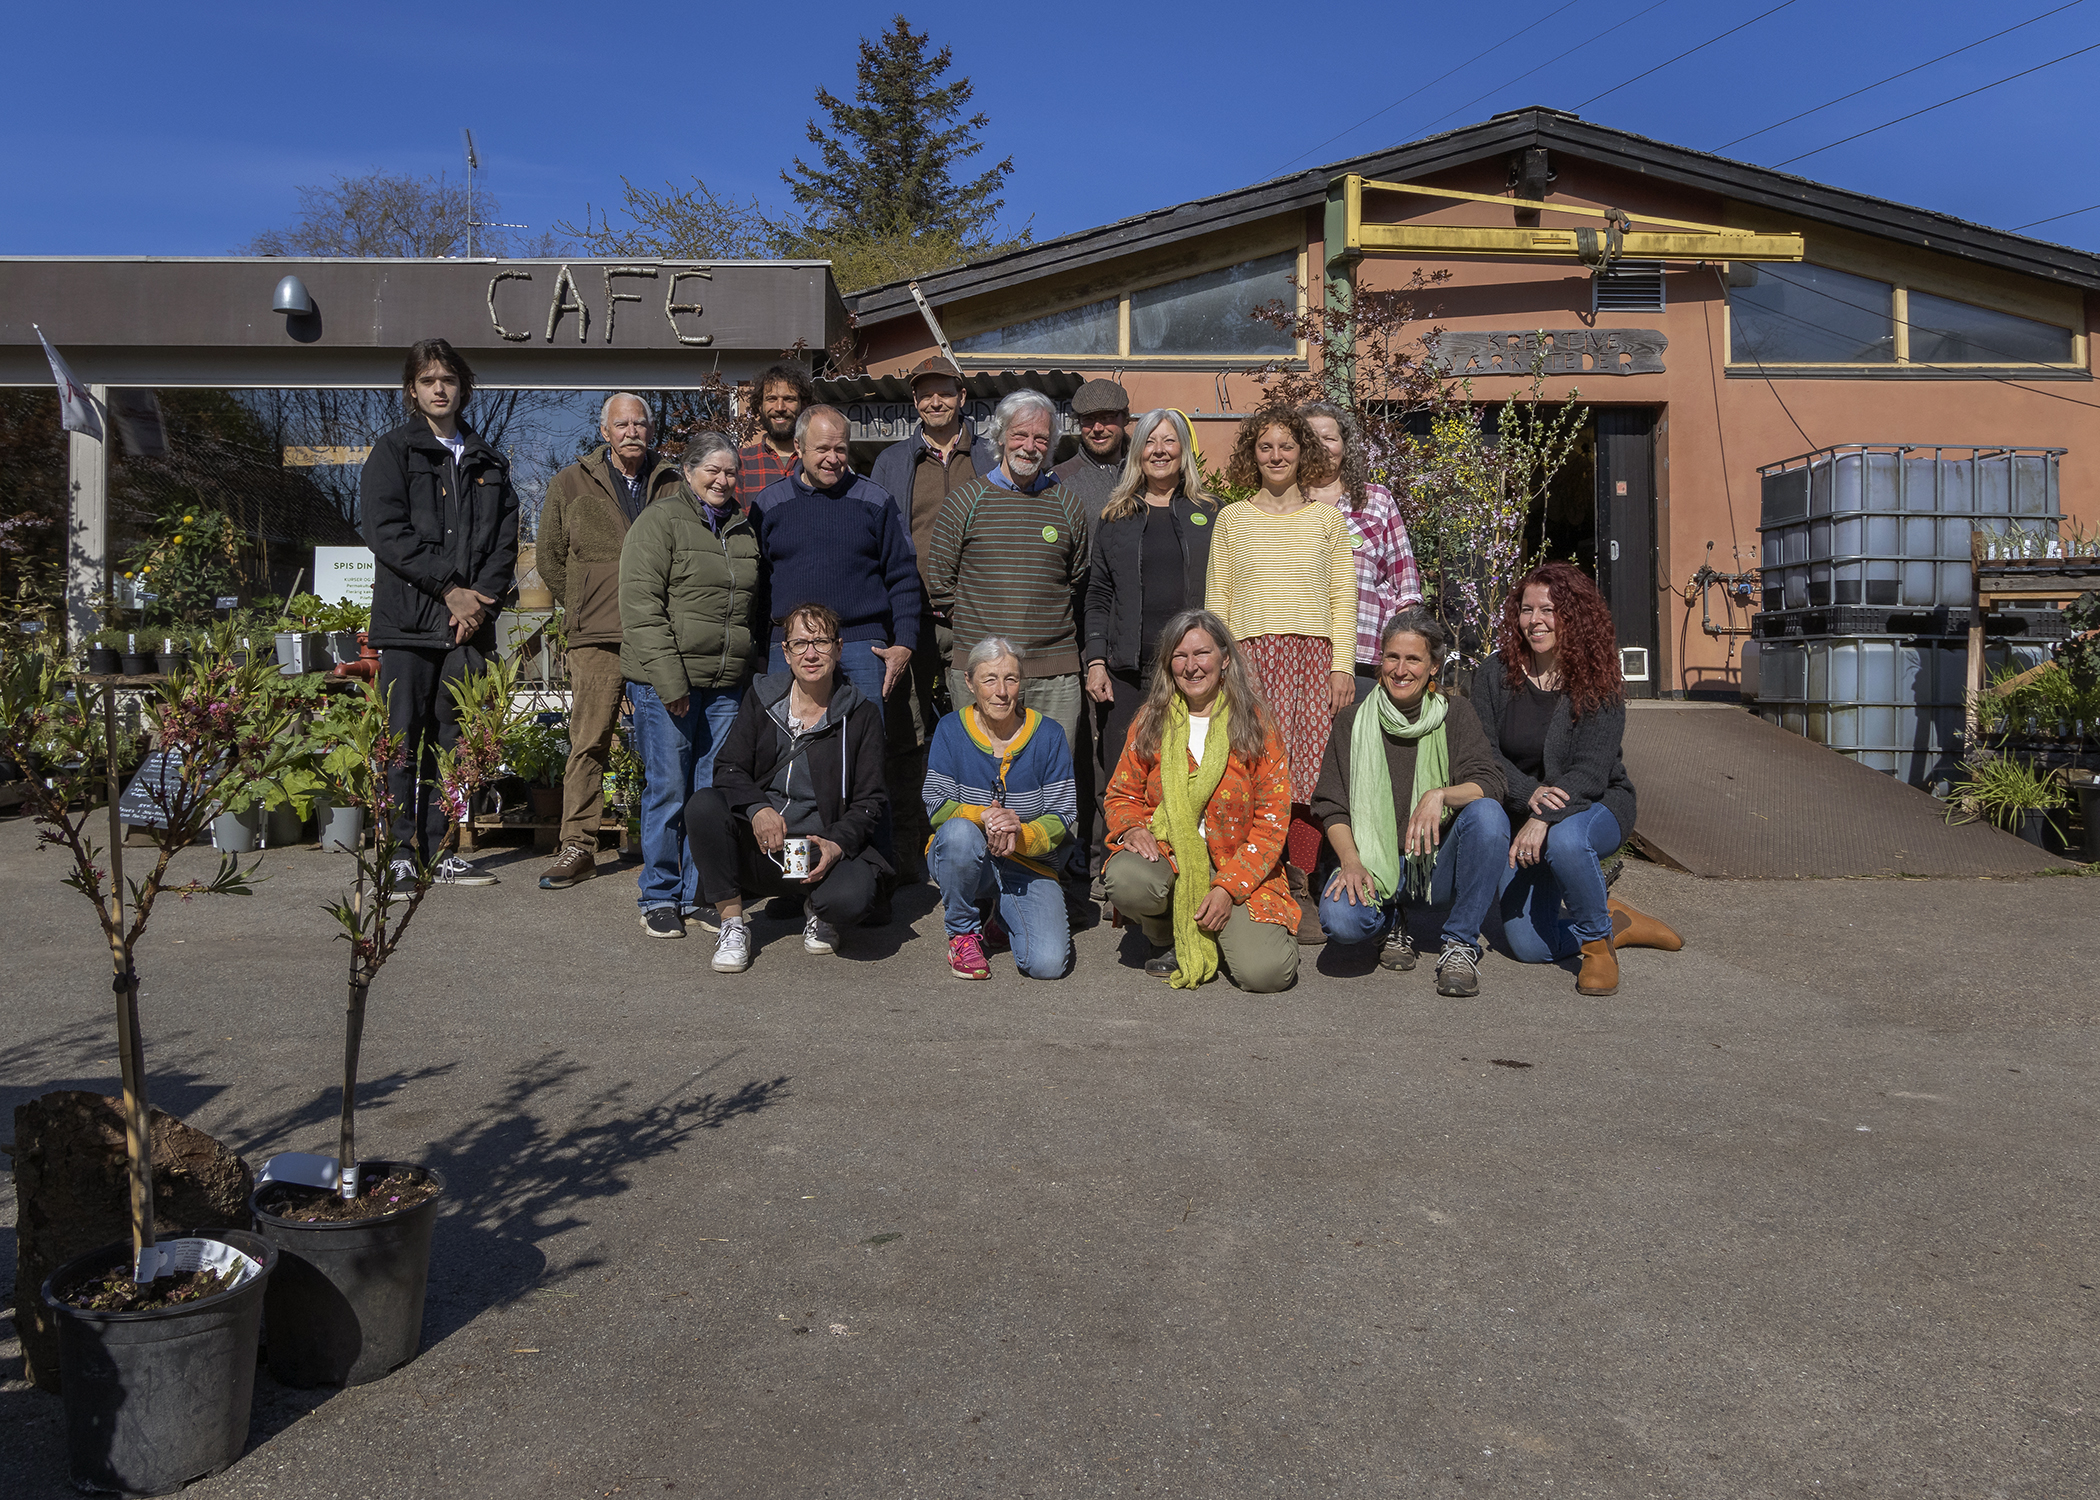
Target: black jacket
<point>409,511</point>
<point>846,763</point>
<point>1115,605</point>
<point>1582,759</point>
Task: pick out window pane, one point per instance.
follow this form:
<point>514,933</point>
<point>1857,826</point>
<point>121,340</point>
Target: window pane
<point>1944,332</point>
<point>1082,330</point>
<point>1810,315</point>
<point>1210,314</point>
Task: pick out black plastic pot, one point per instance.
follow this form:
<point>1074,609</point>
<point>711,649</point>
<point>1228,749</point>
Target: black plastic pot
<point>138,664</point>
<point>2089,812</point>
<point>346,1304</point>
<point>103,661</point>
<point>157,1399</point>
<point>2032,828</point>
<point>179,662</point>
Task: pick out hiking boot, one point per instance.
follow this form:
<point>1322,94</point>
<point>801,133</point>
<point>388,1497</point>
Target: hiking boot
<point>576,862</point>
<point>1600,969</point>
<point>966,957</point>
<point>1632,929</point>
<point>662,922</point>
<point>1163,963</point>
<point>818,935</point>
<point>1398,951</point>
<point>452,870</point>
<point>732,948</point>
<point>1310,932</point>
<point>1458,970</point>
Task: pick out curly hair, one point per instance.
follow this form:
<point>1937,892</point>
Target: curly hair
<point>1356,472</point>
<point>1314,466</point>
<point>1589,656</point>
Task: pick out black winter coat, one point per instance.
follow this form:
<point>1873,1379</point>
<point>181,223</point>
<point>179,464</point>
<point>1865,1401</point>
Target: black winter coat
<point>1582,759</point>
<point>409,511</point>
<point>846,763</point>
<point>1115,605</point>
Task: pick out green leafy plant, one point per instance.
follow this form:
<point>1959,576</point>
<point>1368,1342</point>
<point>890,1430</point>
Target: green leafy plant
<point>2003,789</point>
<point>343,615</point>
<point>189,559</point>
<point>536,752</point>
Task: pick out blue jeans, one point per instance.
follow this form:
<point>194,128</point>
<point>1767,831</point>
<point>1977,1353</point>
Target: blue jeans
<point>1570,875</point>
<point>678,758</point>
<point>1031,905</point>
<point>1469,863</point>
<point>863,668</point>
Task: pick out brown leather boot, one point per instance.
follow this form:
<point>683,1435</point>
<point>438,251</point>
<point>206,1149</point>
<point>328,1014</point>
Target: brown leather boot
<point>1310,932</point>
<point>1632,929</point>
<point>1600,969</point>
<point>576,862</point>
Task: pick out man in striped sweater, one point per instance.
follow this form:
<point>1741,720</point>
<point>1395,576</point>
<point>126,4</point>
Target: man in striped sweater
<point>1008,558</point>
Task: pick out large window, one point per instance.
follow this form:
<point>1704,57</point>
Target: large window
<point>1811,315</point>
<point>1945,332</point>
<point>1082,330</point>
<point>1206,316</point>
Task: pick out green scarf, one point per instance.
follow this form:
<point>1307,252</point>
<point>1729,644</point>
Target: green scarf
<point>1373,816</point>
<point>1182,798</point>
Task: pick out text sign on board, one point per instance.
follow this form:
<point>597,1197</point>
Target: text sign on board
<point>160,773</point>
<point>343,575</point>
<point>1562,351</point>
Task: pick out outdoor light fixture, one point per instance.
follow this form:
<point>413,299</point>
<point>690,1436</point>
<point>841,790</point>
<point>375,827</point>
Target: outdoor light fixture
<point>292,297</point>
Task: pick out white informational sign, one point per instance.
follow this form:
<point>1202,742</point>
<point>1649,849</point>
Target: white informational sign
<point>343,575</point>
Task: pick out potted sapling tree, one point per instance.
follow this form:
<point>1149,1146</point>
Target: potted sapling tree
<point>353,1236</point>
<point>156,1337</point>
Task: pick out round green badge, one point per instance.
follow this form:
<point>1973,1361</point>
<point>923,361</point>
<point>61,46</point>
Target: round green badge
<point>1356,543</point>
<point>1049,533</point>
<point>1199,519</point>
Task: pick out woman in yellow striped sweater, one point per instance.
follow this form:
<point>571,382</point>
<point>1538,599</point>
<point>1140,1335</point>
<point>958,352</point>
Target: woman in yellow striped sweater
<point>1283,578</point>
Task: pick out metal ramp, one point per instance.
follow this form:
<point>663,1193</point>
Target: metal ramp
<point>1724,794</point>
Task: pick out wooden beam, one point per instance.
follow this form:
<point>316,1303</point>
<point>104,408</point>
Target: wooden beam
<point>1561,244</point>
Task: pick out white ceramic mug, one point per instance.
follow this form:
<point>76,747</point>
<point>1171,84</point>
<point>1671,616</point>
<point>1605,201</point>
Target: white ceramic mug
<point>793,859</point>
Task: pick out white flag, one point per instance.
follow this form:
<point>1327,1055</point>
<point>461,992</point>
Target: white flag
<point>73,398</point>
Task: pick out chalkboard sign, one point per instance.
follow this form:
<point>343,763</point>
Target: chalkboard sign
<point>161,771</point>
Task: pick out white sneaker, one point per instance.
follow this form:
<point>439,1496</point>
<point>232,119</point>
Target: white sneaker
<point>818,935</point>
<point>732,948</point>
<point>452,870</point>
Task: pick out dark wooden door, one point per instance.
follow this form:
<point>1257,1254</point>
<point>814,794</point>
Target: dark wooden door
<point>1626,539</point>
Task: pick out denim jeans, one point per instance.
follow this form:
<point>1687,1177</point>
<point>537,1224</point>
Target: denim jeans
<point>1469,865</point>
<point>1031,905</point>
<point>1570,874</point>
<point>860,666</point>
<point>678,758</point>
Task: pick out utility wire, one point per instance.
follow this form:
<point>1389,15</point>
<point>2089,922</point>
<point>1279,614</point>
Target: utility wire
<point>1367,119</point>
<point>1840,99</point>
<point>1559,57</point>
<point>2074,213</point>
<point>1680,57</point>
<point>1928,109</point>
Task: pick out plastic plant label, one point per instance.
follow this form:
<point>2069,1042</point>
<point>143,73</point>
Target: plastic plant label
<point>302,1168</point>
<point>178,1257</point>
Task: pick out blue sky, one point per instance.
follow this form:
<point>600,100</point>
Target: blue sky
<point>183,130</point>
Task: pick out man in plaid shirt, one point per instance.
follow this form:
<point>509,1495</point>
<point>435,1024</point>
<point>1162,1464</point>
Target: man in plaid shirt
<point>779,394</point>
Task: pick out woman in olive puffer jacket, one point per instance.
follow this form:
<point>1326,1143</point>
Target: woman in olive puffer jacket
<point>692,613</point>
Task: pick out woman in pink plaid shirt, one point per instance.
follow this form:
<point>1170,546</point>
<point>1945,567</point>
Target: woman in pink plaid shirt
<point>1387,580</point>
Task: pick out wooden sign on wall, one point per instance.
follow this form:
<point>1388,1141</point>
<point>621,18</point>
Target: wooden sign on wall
<point>1567,351</point>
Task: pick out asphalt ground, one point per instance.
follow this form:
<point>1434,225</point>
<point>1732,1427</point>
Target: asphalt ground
<point>1806,1209</point>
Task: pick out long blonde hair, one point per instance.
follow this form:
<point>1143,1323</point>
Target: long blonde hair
<point>1250,723</point>
<point>1126,498</point>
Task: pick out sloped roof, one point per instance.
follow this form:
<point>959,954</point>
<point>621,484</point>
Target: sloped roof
<point>1552,129</point>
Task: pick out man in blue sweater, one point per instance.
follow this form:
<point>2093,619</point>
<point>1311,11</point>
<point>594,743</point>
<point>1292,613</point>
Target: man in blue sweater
<point>836,539</point>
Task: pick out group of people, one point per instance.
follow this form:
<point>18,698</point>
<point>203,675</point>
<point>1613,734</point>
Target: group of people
<point>840,681</point>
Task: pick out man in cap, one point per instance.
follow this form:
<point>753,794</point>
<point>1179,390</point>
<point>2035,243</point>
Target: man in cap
<point>1102,409</point>
<point>938,458</point>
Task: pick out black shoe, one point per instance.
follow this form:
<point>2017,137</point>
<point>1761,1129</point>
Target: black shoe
<point>1458,970</point>
<point>1162,963</point>
<point>704,918</point>
<point>663,922</point>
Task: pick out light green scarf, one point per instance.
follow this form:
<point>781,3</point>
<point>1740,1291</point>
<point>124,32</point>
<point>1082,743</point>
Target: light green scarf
<point>1182,798</point>
<point>1373,816</point>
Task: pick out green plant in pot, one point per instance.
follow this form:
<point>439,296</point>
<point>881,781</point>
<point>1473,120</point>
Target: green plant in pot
<point>2008,792</point>
<point>157,1338</point>
<point>539,754</point>
<point>354,1236</point>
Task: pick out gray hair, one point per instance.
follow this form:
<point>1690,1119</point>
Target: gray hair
<point>701,444</point>
<point>1016,406</point>
<point>1123,500</point>
<point>991,648</point>
<point>807,413</point>
<point>1415,620</point>
<point>605,411</point>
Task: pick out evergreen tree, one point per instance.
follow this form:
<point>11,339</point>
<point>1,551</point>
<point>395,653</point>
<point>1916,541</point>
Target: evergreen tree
<point>886,159</point>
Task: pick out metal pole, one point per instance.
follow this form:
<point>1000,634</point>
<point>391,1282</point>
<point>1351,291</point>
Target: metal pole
<point>138,1136</point>
<point>87,528</point>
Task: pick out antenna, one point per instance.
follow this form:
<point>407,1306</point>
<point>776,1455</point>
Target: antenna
<point>475,222</point>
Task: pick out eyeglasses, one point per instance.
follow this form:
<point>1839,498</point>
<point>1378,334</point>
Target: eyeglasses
<point>811,643</point>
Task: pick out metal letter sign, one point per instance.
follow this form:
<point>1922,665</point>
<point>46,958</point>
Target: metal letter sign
<point>1568,351</point>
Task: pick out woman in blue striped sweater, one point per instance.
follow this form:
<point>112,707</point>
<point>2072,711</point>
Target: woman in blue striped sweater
<point>1001,797</point>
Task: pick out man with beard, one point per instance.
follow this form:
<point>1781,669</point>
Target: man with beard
<point>780,393</point>
<point>583,525</point>
<point>1102,410</point>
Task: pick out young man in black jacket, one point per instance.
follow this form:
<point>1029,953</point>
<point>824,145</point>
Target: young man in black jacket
<point>441,518</point>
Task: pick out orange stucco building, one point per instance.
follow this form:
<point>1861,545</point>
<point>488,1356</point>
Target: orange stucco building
<point>1899,325</point>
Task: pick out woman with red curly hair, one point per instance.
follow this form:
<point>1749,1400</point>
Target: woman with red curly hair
<point>1552,704</point>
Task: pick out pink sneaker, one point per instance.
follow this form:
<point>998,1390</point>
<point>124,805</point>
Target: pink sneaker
<point>966,957</point>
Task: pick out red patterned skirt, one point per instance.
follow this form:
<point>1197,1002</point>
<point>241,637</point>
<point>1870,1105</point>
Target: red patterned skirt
<point>1292,673</point>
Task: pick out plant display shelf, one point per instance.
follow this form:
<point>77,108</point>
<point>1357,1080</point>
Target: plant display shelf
<point>546,832</point>
<point>2026,581</point>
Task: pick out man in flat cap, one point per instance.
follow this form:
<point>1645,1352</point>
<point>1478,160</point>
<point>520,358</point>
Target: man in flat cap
<point>1102,409</point>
